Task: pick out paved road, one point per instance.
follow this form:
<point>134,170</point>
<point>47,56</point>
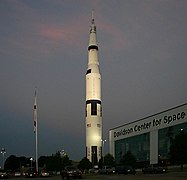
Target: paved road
<point>138,176</point>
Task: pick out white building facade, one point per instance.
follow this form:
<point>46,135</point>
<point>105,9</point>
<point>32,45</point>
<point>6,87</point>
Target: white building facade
<point>149,139</point>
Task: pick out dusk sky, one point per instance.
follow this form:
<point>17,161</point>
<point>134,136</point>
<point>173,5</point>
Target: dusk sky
<point>43,44</point>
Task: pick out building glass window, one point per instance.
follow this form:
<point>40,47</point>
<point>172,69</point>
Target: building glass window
<point>138,145</point>
<point>165,138</point>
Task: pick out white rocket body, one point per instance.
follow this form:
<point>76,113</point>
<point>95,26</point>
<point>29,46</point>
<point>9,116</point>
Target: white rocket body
<point>93,101</point>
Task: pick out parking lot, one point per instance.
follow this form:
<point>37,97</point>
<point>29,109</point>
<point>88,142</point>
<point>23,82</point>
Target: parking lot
<point>140,176</point>
<point>178,175</point>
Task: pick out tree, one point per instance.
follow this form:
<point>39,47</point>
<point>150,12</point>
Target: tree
<point>66,161</point>
<point>178,149</point>
<point>42,161</point>
<point>53,163</point>
<point>56,162</point>
<point>84,164</point>
<point>24,161</point>
<point>128,159</point>
<point>109,160</point>
<point>12,163</point>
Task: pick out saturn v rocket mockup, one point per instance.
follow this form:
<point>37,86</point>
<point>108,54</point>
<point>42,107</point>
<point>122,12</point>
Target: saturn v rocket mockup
<point>93,101</point>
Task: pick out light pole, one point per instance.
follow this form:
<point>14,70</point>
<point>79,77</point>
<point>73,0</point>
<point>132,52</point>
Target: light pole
<point>31,159</point>
<point>3,152</point>
<point>103,149</point>
<point>62,153</point>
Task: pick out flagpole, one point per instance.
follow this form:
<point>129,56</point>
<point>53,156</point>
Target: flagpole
<point>36,129</point>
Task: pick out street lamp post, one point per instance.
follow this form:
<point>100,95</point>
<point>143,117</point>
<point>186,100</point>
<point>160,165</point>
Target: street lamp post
<point>3,152</point>
<point>31,159</point>
<point>62,153</point>
<point>103,149</point>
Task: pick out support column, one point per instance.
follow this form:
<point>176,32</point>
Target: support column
<point>154,147</point>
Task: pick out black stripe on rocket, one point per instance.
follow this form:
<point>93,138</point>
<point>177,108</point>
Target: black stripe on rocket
<point>94,107</point>
<point>92,47</point>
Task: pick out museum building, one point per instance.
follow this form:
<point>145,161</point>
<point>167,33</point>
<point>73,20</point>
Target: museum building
<point>149,139</point>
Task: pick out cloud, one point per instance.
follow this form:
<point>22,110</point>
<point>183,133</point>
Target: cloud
<point>58,33</point>
<point>54,33</point>
<point>29,28</point>
<point>69,33</point>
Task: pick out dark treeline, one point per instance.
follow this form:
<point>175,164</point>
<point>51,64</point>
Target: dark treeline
<point>56,162</point>
<point>51,163</point>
